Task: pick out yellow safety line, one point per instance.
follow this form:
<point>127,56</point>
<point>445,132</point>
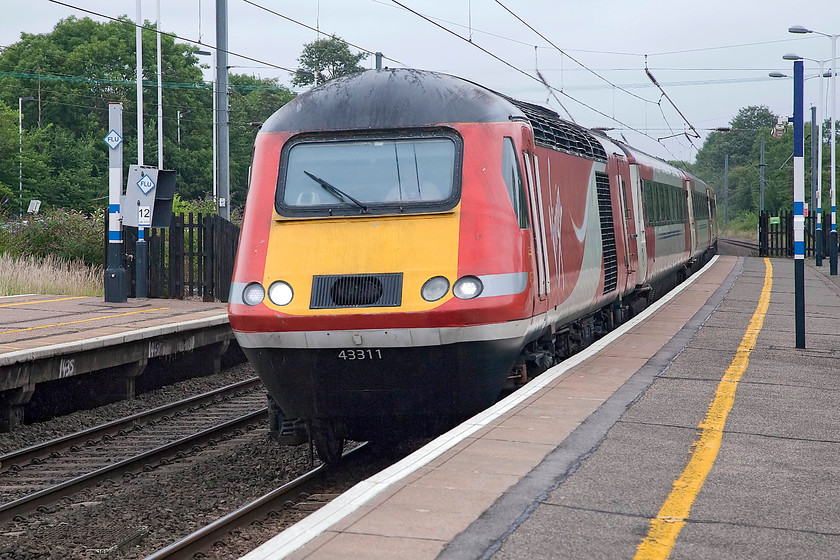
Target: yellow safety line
<point>42,301</point>
<point>84,320</point>
<point>666,526</point>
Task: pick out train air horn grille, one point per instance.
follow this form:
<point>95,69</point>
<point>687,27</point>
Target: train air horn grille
<point>359,290</point>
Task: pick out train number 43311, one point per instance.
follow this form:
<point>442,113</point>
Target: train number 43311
<point>359,354</point>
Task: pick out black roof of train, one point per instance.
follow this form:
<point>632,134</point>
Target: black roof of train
<point>409,98</point>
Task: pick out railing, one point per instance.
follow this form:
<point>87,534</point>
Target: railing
<point>775,234</point>
<point>192,258</point>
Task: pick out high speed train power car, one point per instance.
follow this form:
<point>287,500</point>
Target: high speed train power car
<point>413,243</point>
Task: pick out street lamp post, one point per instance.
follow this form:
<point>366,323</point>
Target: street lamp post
<point>20,153</point>
<point>215,143</point>
<point>832,120</point>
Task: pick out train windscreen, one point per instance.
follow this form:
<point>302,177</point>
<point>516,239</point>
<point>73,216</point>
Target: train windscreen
<point>371,175</point>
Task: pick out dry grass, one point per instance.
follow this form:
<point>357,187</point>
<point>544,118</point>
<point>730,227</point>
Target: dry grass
<point>51,275</point>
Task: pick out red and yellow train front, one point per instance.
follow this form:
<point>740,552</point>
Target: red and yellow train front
<point>382,276</point>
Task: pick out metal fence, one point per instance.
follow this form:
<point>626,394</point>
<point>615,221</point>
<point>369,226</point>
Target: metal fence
<point>192,258</point>
<point>775,234</point>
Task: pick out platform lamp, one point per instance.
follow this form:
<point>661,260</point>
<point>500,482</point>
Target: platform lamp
<point>832,120</point>
<point>20,153</point>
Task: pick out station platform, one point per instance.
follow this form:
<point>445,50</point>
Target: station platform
<point>46,338</point>
<point>696,430</point>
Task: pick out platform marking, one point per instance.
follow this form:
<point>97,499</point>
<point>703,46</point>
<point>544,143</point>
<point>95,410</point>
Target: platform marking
<point>84,320</point>
<point>666,526</point>
<point>42,301</point>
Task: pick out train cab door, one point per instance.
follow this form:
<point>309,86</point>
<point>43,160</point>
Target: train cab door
<point>535,205</point>
<point>628,224</point>
<point>639,218</point>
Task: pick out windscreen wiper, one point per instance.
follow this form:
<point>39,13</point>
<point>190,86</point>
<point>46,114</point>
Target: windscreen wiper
<point>335,191</point>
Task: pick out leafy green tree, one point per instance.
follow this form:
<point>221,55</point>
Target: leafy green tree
<point>252,101</point>
<point>325,59</point>
<point>74,72</point>
<point>9,156</point>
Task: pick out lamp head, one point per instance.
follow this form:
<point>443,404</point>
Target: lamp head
<point>799,29</point>
<point>778,75</point>
<point>791,56</point>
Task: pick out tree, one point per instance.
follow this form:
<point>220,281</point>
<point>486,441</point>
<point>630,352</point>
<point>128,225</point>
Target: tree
<point>73,73</point>
<point>252,101</point>
<point>325,59</point>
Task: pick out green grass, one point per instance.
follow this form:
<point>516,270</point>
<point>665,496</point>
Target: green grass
<point>49,275</point>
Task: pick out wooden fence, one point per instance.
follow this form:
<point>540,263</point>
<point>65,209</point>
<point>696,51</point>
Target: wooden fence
<point>775,234</point>
<point>192,258</point>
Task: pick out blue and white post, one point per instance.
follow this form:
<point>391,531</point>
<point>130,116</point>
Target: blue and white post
<point>115,289</point>
<point>799,200</point>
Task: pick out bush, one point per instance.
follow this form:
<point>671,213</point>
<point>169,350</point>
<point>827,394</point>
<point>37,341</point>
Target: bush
<point>743,225</point>
<point>66,234</point>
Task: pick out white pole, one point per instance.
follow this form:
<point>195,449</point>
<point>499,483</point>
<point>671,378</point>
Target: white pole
<point>139,51</point>
<point>832,126</point>
<point>20,158</point>
<point>159,94</point>
<point>215,143</point>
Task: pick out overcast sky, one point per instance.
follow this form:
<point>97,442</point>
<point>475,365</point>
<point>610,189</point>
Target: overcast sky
<point>711,57</point>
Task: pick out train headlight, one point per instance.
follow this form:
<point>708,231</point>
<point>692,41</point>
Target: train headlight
<point>434,288</point>
<point>280,293</point>
<point>253,294</point>
<point>468,287</point>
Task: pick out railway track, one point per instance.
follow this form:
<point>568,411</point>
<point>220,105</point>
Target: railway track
<point>45,473</point>
<point>256,510</point>
<point>740,243</point>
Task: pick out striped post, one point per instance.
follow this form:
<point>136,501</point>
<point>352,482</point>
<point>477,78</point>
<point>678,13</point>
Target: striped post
<point>115,289</point>
<point>799,200</point>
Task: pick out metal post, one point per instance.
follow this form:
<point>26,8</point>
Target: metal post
<point>820,249</point>
<point>813,204</point>
<point>159,94</point>
<point>725,193</point>
<point>832,239</point>
<point>379,61</point>
<point>223,134</point>
<point>813,198</point>
<point>799,201</point>
<point>115,290</point>
<point>761,166</point>
<point>138,40</point>
<point>141,251</point>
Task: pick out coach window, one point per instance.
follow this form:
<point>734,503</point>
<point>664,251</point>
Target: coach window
<point>513,181</point>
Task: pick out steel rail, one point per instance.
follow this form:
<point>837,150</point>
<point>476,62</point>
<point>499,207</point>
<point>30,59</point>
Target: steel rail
<point>203,538</point>
<point>54,493</point>
<point>26,455</point>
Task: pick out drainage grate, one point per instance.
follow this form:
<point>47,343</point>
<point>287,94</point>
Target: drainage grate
<point>359,290</point>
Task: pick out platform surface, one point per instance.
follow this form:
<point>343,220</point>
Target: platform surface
<point>37,325</point>
<point>586,457</point>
